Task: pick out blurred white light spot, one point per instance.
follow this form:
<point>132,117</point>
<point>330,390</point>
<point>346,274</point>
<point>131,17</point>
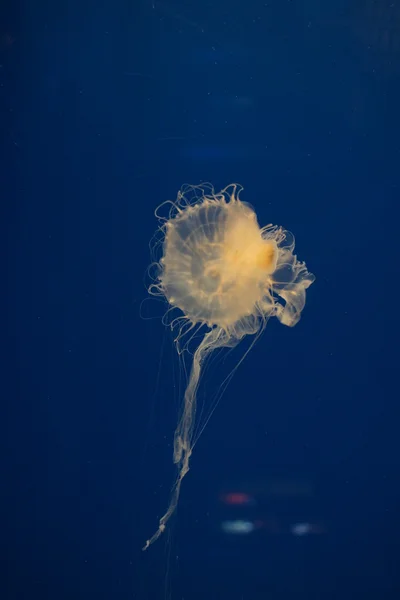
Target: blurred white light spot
<point>301,528</point>
<point>238,527</point>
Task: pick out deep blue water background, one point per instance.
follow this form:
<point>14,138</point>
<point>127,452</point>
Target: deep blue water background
<point>107,109</point>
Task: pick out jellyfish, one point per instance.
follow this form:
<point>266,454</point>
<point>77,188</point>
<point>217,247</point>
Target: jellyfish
<point>226,276</point>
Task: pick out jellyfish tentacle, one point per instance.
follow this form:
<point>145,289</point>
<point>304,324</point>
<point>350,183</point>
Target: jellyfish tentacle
<point>183,440</point>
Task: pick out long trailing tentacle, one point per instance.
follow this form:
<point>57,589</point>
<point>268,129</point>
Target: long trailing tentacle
<point>183,439</point>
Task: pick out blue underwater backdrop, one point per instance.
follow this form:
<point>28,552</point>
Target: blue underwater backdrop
<point>107,108</point>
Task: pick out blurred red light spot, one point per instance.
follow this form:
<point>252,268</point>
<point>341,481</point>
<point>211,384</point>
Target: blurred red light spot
<point>237,498</point>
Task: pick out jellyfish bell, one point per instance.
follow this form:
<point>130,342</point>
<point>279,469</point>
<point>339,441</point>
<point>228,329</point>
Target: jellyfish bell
<point>226,274</point>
